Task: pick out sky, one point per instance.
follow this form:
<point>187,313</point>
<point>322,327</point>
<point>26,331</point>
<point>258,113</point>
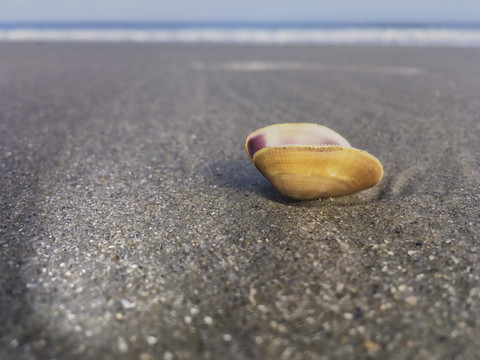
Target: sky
<point>432,11</point>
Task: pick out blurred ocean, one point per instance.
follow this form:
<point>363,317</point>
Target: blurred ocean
<point>257,33</point>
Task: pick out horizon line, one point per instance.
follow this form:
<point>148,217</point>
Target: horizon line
<point>236,23</point>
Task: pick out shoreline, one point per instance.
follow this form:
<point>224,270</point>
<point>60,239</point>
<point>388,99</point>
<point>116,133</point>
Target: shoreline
<point>264,34</point>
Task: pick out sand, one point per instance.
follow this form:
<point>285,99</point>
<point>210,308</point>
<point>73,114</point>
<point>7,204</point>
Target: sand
<point>133,225</point>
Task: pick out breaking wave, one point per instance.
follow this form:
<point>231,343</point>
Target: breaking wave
<point>375,36</point>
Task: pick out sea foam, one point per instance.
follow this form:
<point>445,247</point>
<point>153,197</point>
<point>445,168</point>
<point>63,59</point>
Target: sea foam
<point>375,36</point>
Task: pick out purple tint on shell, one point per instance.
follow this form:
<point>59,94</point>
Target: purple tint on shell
<point>312,141</point>
<point>286,141</point>
<point>329,142</point>
<point>256,143</point>
<point>294,141</point>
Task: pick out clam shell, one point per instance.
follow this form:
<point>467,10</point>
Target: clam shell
<point>310,161</point>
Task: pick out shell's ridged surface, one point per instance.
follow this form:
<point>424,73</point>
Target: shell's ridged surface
<point>310,161</point>
<point>316,172</point>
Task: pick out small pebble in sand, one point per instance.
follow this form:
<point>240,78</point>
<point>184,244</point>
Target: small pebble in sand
<point>127,304</point>
<point>151,340</point>
<point>122,345</point>
<point>411,300</point>
<point>371,346</point>
<point>194,311</point>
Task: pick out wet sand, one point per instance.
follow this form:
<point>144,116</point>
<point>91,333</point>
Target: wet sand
<point>134,226</point>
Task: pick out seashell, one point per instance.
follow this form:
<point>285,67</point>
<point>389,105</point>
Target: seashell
<point>309,161</point>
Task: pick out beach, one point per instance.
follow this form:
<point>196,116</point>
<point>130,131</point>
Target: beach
<point>134,226</point>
